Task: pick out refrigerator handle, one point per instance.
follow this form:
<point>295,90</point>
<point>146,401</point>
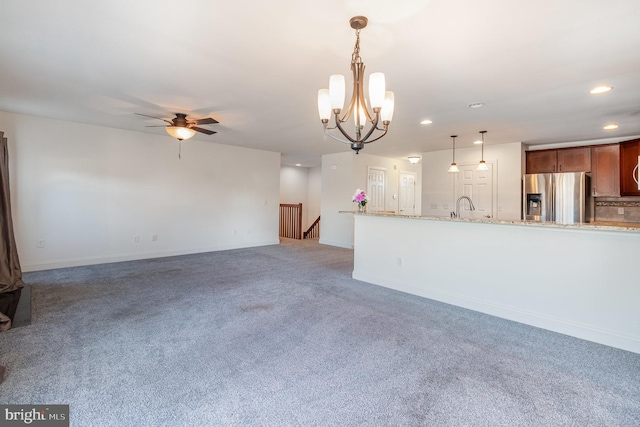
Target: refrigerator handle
<point>553,202</point>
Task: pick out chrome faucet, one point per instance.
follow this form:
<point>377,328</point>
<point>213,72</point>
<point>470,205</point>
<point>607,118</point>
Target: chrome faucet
<point>456,214</point>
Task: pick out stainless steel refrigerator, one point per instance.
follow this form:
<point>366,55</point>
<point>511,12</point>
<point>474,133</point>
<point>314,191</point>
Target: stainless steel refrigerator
<point>563,198</point>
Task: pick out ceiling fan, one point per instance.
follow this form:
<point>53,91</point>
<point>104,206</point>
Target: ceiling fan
<point>183,128</point>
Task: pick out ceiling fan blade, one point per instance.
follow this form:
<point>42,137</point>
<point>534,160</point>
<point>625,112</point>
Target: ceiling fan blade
<point>154,126</point>
<point>207,121</point>
<point>201,130</point>
<point>153,117</point>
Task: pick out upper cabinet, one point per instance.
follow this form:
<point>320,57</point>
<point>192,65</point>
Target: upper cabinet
<point>543,161</point>
<point>561,160</point>
<point>605,170</point>
<point>574,159</point>
<point>629,152</point>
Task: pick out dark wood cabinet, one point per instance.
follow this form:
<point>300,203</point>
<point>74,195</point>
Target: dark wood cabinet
<point>561,160</point>
<point>629,152</point>
<point>605,170</point>
<point>543,161</point>
<point>574,159</point>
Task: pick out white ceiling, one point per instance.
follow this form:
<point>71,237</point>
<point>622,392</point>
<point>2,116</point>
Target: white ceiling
<point>256,67</point>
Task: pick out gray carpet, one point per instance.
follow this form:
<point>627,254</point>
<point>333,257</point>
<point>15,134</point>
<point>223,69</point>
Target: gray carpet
<point>281,335</point>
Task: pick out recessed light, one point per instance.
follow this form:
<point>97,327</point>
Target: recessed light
<point>426,122</point>
<point>477,142</point>
<point>476,105</point>
<point>601,89</point>
<point>298,164</point>
<point>610,126</point>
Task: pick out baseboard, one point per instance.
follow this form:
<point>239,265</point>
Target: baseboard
<point>77,262</point>
<point>567,327</point>
<point>334,243</point>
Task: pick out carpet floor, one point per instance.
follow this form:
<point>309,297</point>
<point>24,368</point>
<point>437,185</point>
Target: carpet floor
<point>283,336</point>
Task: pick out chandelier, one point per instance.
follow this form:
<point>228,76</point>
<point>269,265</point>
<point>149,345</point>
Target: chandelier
<point>331,101</point>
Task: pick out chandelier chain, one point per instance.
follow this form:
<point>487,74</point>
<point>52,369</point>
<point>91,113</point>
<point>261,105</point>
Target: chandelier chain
<point>355,56</point>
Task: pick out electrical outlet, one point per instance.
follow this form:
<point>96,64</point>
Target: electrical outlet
<point>136,239</point>
<point>399,261</point>
<point>154,238</point>
<point>40,243</point>
<point>620,211</point>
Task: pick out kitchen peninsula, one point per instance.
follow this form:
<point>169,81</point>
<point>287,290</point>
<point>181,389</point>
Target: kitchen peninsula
<point>579,280</point>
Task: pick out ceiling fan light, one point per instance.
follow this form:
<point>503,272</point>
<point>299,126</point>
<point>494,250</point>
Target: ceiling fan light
<point>180,132</point>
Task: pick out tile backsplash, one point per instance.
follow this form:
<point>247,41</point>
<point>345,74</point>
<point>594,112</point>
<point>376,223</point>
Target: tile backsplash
<point>618,209</point>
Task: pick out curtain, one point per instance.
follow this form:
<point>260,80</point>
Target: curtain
<point>10,272</point>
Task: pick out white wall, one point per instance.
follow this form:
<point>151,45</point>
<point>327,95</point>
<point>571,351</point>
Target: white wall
<point>582,282</point>
<point>337,189</point>
<point>314,194</point>
<point>86,191</point>
<point>342,174</point>
<point>302,185</point>
<point>508,166</point>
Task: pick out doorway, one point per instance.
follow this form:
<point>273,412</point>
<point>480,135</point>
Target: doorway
<point>407,193</point>
<point>376,183</point>
<point>478,186</point>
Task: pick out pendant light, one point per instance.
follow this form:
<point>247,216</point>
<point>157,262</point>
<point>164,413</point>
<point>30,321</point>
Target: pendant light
<point>454,167</point>
<point>483,165</point>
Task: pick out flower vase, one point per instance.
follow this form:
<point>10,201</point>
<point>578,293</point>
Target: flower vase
<point>362,209</point>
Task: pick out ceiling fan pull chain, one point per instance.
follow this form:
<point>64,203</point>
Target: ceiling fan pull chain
<point>180,149</point>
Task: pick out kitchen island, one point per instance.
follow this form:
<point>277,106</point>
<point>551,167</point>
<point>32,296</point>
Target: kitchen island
<point>579,280</point>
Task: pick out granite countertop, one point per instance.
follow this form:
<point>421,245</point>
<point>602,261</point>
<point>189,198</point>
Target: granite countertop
<point>604,226</point>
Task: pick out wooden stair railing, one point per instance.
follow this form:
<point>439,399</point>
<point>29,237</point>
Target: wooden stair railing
<point>291,220</point>
<point>314,230</point>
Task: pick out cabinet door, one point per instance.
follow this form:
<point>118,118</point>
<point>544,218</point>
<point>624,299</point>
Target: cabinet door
<point>605,171</point>
<point>629,152</point>
<point>574,160</point>
<point>543,161</point>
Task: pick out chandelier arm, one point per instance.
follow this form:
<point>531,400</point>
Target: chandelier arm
<point>326,131</point>
<point>377,138</point>
<point>374,126</point>
<point>352,102</point>
<point>361,98</point>
<point>346,135</point>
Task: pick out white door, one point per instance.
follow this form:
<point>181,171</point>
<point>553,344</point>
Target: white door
<point>478,186</point>
<point>375,189</point>
<point>407,193</point>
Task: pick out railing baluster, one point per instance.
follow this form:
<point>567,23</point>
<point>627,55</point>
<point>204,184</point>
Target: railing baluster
<point>291,220</point>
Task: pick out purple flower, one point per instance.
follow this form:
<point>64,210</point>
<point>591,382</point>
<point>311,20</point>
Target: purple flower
<point>360,197</point>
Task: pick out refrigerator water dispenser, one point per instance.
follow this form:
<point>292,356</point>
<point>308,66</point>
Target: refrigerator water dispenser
<point>534,204</point>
